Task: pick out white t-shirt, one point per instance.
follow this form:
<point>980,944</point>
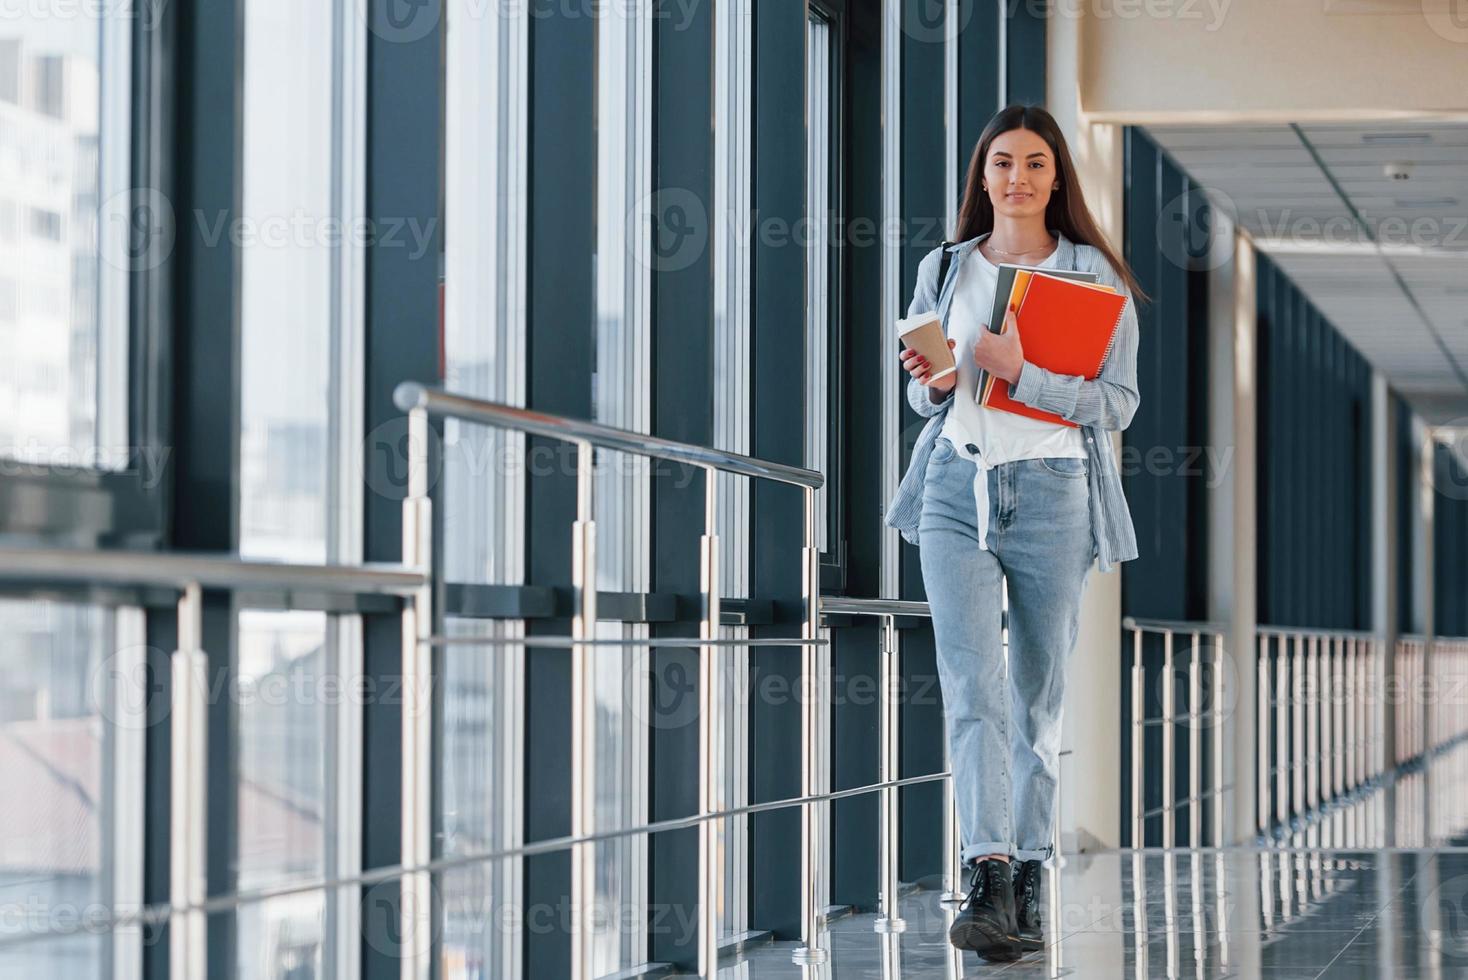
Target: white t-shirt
<point>998,436</point>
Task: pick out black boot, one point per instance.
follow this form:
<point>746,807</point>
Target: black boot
<point>985,922</point>
<point>1027,905</point>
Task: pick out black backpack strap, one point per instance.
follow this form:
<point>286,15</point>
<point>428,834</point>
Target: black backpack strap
<point>944,263</point>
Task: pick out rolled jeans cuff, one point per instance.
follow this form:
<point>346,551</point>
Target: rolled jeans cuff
<point>1036,854</point>
<point>975,851</point>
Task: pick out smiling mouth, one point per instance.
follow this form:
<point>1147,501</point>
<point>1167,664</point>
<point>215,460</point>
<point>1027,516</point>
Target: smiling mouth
<point>1017,196</point>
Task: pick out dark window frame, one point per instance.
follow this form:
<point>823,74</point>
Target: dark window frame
<point>835,557</point>
<point>74,506</point>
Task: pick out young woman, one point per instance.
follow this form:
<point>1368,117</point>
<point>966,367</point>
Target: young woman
<point>993,498</point>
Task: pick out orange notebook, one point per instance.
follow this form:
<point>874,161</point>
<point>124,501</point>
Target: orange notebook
<point>1065,326</point>
<point>1018,287</point>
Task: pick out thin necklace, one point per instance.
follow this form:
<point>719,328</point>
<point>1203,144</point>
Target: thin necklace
<point>1001,251</point>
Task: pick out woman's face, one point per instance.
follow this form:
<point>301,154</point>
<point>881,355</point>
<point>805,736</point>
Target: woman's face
<point>1019,173</point>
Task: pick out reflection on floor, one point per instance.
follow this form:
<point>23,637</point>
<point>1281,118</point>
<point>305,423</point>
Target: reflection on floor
<point>1334,900</point>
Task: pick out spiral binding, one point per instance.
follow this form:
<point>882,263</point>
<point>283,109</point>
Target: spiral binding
<point>1115,331</point>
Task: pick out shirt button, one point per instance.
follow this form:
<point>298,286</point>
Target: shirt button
<point>1090,440</point>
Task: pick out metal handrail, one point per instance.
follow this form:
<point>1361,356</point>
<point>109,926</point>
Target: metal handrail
<point>1318,704</point>
<point>1317,632</point>
<point>190,575</point>
<point>422,403</point>
<point>890,922</point>
<point>159,913</point>
<point>888,610</point>
<point>1169,629</point>
<point>410,396</point>
<point>1171,626</point>
<point>67,566</point>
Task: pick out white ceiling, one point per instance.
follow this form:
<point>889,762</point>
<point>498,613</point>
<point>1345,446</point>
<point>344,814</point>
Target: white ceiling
<point>1401,301</point>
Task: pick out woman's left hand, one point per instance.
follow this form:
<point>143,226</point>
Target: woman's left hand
<point>1001,354</point>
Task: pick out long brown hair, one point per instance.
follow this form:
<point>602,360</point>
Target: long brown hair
<point>1066,210</point>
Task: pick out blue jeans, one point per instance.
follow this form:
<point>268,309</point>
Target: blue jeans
<point>1003,721</point>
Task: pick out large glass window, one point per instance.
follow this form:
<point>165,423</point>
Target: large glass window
<point>71,697</point>
<point>300,237</point>
<point>483,498</point>
<point>286,237</point>
<point>283,716</point>
<point>64,161</point>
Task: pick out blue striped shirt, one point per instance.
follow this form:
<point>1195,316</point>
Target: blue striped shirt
<point>1102,405</point>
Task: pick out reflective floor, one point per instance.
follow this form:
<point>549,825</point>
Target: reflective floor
<point>1333,901</point>
<point>1232,913</point>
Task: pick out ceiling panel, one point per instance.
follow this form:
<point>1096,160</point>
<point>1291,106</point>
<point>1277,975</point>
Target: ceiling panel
<point>1403,305</point>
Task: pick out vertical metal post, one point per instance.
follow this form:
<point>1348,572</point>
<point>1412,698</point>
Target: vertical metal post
<point>1298,760</point>
<point>812,745</point>
<point>1195,746</point>
<point>1404,714</point>
<point>1262,709</point>
<point>583,717</point>
<point>1282,695</point>
<point>1055,818</point>
<point>1329,733</point>
<point>416,907</point>
<point>1218,731</point>
<point>1352,731</point>
<point>1423,691</point>
<point>710,738</point>
<point>188,768</point>
<point>1366,735</point>
<point>1339,737</point>
<point>1313,748</point>
<point>888,770</point>
<point>1169,745</point>
<point>1373,709</point>
<point>1139,733</point>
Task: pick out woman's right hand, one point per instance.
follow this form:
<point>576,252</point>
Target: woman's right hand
<point>918,366</point>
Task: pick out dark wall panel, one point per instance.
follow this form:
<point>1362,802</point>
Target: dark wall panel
<point>206,395</point>
<point>1450,543</point>
<point>925,221</point>
<point>1402,473</point>
<point>404,137</point>
<point>776,511</point>
<point>1025,37</point>
<point>561,318</point>
<point>683,385</point>
<point>1165,450</point>
<point>1314,470</point>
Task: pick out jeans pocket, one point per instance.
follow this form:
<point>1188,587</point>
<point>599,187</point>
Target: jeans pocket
<point>943,451</point>
<point>1068,466</point>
